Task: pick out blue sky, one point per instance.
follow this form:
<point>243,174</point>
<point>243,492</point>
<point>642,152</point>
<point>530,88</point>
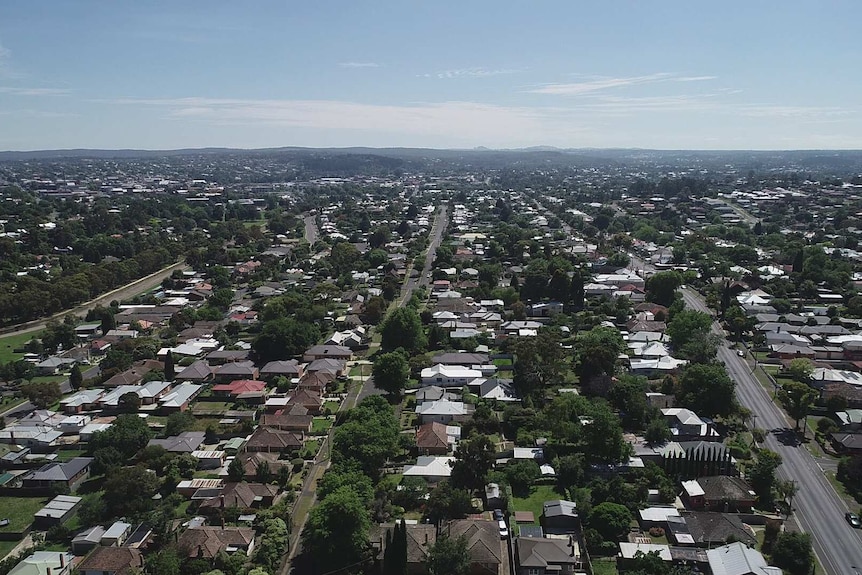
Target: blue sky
<point>653,74</point>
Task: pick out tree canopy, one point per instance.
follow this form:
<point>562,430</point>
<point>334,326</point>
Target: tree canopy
<point>707,390</point>
<point>403,328</point>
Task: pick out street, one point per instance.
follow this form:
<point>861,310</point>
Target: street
<point>65,388</point>
<point>817,508</point>
<point>311,232</point>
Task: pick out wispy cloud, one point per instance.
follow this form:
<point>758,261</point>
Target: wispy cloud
<point>5,53</point>
<point>783,111</point>
<point>606,83</point>
<point>359,64</point>
<point>475,72</point>
<point>34,91</point>
<point>454,119</point>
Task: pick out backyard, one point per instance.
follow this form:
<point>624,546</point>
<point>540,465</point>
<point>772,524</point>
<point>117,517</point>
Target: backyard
<point>20,511</point>
<point>536,500</point>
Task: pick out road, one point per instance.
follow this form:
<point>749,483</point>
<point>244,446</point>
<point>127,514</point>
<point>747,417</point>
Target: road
<point>308,495</point>
<point>746,217</point>
<point>311,231</point>
<point>127,291</point>
<point>818,509</point>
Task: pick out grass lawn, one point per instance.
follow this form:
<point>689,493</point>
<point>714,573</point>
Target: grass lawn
<point>19,511</point>
<point>320,425</point>
<point>10,343</point>
<point>331,406</point>
<point>182,509</point>
<point>360,370</point>
<point>309,450</point>
<point>6,547</point>
<point>67,454</point>
<point>8,403</point>
<point>604,566</point>
<point>534,502</point>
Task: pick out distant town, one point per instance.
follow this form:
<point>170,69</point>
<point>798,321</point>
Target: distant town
<point>435,362</point>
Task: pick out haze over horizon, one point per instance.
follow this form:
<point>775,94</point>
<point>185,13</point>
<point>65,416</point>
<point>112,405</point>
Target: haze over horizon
<point>668,75</point>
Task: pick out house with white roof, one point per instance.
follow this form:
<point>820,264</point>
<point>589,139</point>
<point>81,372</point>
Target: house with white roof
<point>430,467</point>
<point>687,425</point>
<point>738,559</point>
<point>449,375</point>
<point>442,411</point>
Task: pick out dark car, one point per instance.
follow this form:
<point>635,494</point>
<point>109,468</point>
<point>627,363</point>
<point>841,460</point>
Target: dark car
<point>853,520</point>
<point>498,514</point>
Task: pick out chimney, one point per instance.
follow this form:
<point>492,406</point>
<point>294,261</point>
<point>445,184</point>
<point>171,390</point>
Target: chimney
<point>426,538</point>
<point>49,571</point>
<point>221,501</point>
<point>62,560</point>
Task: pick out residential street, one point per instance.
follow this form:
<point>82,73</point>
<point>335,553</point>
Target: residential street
<point>311,232</point>
<point>817,507</point>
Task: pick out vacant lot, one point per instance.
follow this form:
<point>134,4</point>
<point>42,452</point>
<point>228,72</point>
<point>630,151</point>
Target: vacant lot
<point>19,511</point>
<point>10,343</point>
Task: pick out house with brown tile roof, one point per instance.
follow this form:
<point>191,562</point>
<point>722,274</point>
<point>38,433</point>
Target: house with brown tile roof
<point>198,372</point>
<point>243,496</point>
<point>420,539</point>
<point>207,542</point>
<point>235,370</point>
<point>288,421</point>
<point>311,401</point>
<point>289,369</point>
<point>432,439</point>
<point>273,440</point>
<point>135,374</point>
<point>483,543</point>
<point>111,561</point>
<point>251,461</point>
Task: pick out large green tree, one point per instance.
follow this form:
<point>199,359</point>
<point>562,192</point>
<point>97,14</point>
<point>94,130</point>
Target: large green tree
<point>661,287</point>
<point>691,337</point>
<point>129,490</point>
<point>797,398</point>
<point>42,394</point>
<point>336,533</point>
<point>793,553</point>
<point>368,437</point>
<point>447,502</point>
<point>403,328</point>
<point>128,435</point>
<point>597,352</point>
<point>707,390</point>
<point>762,476</point>
<point>538,362</point>
<point>283,338</point>
<point>611,520</point>
<point>390,372</point>
<point>474,458</point>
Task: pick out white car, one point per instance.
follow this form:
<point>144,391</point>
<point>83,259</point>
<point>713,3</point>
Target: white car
<point>504,529</point>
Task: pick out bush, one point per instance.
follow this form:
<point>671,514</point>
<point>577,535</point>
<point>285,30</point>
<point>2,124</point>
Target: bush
<point>825,426</point>
<point>656,532</point>
<point>297,463</point>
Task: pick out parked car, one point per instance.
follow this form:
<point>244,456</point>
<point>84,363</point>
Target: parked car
<point>498,514</point>
<point>504,529</point>
<point>853,520</point>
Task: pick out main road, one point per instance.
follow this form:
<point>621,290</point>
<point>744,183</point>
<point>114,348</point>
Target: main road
<point>818,509</point>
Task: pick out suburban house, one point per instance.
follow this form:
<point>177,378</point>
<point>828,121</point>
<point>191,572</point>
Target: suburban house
<point>560,516</point>
<point>442,411</point>
<point>68,475</point>
<point>436,438</point>
<point>483,544</point>
<point>686,425</point>
<point>249,390</point>
<point>206,542</point>
<point>198,372</point>
<point>543,556</point>
<point>43,562</point>
<point>718,493</point>
<point>111,561</point>
<point>234,371</point>
<point>179,397</point>
<point>242,496</point>
<point>291,369</point>
<point>339,352</point>
<point>185,442</point>
<point>449,375</point>
<point>273,441</point>
<point>430,468</point>
<point>420,538</point>
<point>739,559</point>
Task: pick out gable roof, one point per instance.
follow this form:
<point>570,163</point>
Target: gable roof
<point>206,542</point>
<point>725,487</point>
<point>61,471</point>
<point>242,495</point>
<point>483,539</point>
<point>197,371</point>
<point>738,559</point>
<point>116,560</point>
<point>706,527</point>
<point>185,442</point>
<point>432,436</point>
<point>266,437</point>
<point>541,552</point>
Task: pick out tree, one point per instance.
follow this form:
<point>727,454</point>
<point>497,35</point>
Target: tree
<point>283,338</point>
<point>447,502</point>
<point>129,402</point>
<point>762,476</point>
<point>800,369</point>
<point>76,378</point>
<point>690,336</point>
<point>707,390</point>
<point>661,287</point>
<point>570,470</point>
<point>236,470</point>
<point>657,431</point>
<point>793,553</point>
<point>368,437</point>
<point>449,556</point>
<point>390,372</point>
<point>128,435</point>
<point>403,328</point>
<point>106,459</point>
<point>797,398</point>
<point>346,475</point>
<point>129,490</point>
<point>538,362</point>
<point>521,474</point>
<point>165,562</point>
<point>336,533</point>
<point>611,520</point>
<point>474,458</point>
<point>169,367</point>
<point>628,396</point>
<point>178,422</point>
<point>597,352</point>
<point>42,394</point>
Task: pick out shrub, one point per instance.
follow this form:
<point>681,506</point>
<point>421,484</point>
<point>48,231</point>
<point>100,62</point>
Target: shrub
<point>656,532</point>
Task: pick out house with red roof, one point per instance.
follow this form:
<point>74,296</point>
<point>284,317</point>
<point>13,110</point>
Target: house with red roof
<point>250,390</point>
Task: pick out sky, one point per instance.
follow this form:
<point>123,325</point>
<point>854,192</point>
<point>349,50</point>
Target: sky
<point>163,74</point>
